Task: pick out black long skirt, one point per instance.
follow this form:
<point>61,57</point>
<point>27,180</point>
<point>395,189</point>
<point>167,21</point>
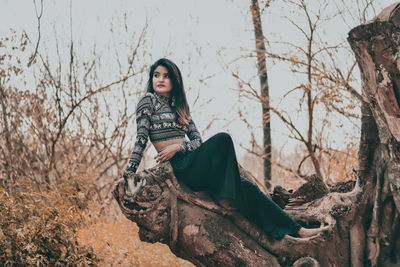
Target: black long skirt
<point>213,167</point>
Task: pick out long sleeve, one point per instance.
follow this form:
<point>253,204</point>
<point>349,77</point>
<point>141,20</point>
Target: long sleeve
<point>143,115</point>
<point>194,138</point>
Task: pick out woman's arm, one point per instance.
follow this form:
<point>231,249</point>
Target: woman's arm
<point>143,115</point>
<point>194,139</point>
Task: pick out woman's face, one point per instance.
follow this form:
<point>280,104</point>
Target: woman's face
<point>161,82</point>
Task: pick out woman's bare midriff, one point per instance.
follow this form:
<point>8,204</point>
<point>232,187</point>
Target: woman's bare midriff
<point>160,145</point>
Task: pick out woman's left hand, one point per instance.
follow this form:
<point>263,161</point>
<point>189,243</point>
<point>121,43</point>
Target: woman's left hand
<point>167,153</point>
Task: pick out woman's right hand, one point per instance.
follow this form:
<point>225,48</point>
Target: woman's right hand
<point>167,153</point>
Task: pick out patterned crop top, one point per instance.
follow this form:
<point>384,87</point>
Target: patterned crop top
<point>156,119</point>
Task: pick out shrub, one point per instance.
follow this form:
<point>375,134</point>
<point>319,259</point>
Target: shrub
<point>39,228</point>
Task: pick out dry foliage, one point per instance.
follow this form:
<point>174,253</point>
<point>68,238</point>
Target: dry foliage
<point>337,166</point>
<point>39,228</point>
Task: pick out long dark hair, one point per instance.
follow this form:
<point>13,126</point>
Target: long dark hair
<point>177,97</point>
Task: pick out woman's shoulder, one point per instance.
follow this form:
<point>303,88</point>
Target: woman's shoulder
<point>147,99</point>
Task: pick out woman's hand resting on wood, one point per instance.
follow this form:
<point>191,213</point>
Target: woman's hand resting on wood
<point>167,153</point>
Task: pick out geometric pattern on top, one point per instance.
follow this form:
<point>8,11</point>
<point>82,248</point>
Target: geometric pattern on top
<point>156,120</point>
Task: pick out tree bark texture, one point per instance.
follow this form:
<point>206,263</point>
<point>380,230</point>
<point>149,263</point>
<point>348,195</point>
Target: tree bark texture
<point>264,88</point>
<point>376,46</point>
<point>364,223</point>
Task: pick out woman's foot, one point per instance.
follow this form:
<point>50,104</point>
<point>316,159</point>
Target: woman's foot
<point>309,232</point>
<point>227,203</point>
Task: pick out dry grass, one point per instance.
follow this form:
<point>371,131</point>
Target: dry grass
<point>117,243</point>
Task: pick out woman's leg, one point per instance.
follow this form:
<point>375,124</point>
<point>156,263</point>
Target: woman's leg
<point>266,213</point>
<point>213,166</point>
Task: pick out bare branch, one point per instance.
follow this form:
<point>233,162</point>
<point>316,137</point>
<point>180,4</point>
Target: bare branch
<point>38,16</point>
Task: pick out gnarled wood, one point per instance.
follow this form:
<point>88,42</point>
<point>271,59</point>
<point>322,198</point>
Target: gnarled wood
<point>377,49</point>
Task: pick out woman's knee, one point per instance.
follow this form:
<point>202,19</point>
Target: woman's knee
<point>223,138</point>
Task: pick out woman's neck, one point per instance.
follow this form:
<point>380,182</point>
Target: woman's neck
<point>163,97</point>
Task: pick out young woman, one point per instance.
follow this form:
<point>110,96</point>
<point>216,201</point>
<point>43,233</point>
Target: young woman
<point>163,115</point>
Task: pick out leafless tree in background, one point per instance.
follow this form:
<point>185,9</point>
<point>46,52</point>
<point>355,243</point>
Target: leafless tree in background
<point>264,89</point>
<point>326,87</point>
<point>67,125</point>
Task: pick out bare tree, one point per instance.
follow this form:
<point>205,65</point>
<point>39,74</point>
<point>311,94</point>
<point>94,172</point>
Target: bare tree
<point>66,125</point>
<point>264,89</point>
<point>324,86</point>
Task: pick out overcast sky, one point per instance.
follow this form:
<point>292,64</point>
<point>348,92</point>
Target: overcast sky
<point>220,29</point>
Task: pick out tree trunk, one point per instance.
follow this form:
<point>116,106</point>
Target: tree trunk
<point>376,47</point>
<point>262,74</point>
<point>364,223</point>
